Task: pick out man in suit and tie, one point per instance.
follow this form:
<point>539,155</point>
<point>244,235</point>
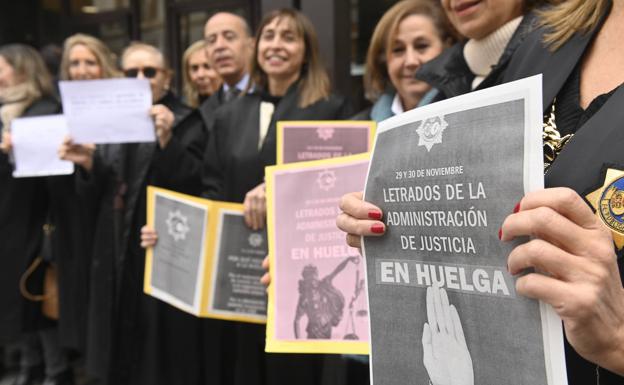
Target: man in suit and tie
<point>229,46</point>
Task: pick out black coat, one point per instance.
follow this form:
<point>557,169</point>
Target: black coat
<point>597,144</point>
<point>23,212</point>
<point>233,163</point>
<point>233,166</point>
<point>72,216</point>
<point>123,322</point>
<point>450,74</point>
<point>209,107</point>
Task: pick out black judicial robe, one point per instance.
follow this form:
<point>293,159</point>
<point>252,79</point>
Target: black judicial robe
<point>23,212</point>
<point>597,144</point>
<point>233,166</point>
<point>72,216</point>
<point>209,107</point>
<point>134,338</point>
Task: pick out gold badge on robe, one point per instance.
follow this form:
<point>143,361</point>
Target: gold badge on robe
<point>608,201</point>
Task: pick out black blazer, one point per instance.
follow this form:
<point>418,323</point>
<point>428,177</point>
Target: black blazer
<point>597,145</point>
<point>233,165</point>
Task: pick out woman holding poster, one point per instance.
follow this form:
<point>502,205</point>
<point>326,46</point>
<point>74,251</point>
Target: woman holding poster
<point>146,342</point>
<point>26,90</point>
<point>290,83</point>
<point>576,222</point>
<point>84,58</point>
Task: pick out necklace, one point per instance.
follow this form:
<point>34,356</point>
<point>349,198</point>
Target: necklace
<point>553,141</point>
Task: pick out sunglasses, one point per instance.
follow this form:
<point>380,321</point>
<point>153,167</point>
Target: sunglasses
<point>148,72</point>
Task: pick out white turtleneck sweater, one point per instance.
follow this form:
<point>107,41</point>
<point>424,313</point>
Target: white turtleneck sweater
<point>481,55</point>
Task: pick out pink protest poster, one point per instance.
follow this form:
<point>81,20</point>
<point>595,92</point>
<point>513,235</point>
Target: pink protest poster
<point>299,141</point>
<point>317,298</point>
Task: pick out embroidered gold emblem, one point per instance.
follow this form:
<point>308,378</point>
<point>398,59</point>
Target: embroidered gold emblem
<point>608,201</point>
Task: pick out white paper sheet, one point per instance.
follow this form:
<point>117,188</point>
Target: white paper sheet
<point>35,145</point>
<point>108,110</point>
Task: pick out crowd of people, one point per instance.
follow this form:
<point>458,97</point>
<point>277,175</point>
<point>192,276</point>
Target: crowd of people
<point>88,229</point>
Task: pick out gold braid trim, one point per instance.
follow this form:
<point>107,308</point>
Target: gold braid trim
<point>553,141</point>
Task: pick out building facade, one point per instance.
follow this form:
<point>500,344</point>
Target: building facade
<point>344,26</point>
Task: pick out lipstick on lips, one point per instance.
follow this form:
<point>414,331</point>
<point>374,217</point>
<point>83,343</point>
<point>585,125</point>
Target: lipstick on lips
<point>465,8</point>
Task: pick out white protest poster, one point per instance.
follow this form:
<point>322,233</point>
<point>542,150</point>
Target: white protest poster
<point>108,110</point>
<point>443,307</point>
<point>36,142</point>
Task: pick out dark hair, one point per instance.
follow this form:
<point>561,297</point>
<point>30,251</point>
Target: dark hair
<point>314,82</point>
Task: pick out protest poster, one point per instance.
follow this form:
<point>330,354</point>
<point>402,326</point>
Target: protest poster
<point>443,307</point>
<point>317,301</point>
<point>299,141</point>
<point>206,262</point>
<point>108,110</point>
<point>36,142</point>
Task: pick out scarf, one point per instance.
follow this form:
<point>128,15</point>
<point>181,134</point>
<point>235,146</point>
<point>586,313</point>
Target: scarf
<point>481,55</point>
<point>15,100</point>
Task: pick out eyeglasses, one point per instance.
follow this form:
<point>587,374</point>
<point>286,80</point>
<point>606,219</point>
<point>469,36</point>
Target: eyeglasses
<point>148,72</point>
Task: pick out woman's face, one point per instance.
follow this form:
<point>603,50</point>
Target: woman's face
<point>83,64</point>
<point>476,19</point>
<point>281,49</point>
<point>7,74</point>
<point>145,64</point>
<point>416,41</point>
<point>204,78</point>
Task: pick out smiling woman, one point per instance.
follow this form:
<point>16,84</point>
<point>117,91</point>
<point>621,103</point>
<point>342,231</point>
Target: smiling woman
<point>408,35</point>
<point>290,83</point>
<point>86,57</point>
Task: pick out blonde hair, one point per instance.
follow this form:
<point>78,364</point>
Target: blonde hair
<point>106,59</point>
<point>314,82</point>
<point>570,17</point>
<point>376,79</point>
<point>190,92</point>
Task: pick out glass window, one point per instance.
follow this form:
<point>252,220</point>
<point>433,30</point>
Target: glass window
<point>115,33</point>
<point>97,6</point>
<point>50,27</point>
<point>153,23</point>
<point>364,17</point>
<point>192,28</point>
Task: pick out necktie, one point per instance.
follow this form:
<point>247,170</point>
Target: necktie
<point>231,94</point>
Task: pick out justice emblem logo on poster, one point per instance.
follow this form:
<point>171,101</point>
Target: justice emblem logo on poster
<point>255,240</point>
<point>430,131</point>
<point>326,180</point>
<point>325,133</point>
<point>177,225</point>
<point>608,201</point>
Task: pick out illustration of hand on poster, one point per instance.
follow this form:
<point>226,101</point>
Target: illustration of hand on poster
<point>445,353</point>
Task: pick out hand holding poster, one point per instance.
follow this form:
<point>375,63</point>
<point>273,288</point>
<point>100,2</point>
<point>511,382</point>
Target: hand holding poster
<point>206,261</point>
<point>108,110</point>
<point>299,141</point>
<point>317,300</point>
<point>443,306</point>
